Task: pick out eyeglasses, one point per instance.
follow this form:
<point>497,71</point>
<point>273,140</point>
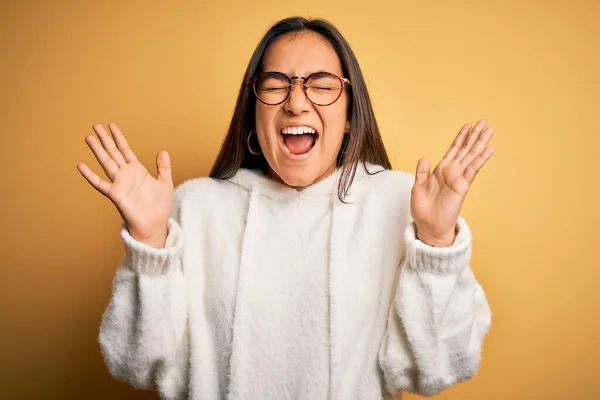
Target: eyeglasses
<point>320,88</point>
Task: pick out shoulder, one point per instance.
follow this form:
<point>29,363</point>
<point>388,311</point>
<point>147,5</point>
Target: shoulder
<point>389,180</point>
<point>384,198</point>
<point>372,180</point>
<point>209,193</point>
<point>201,187</point>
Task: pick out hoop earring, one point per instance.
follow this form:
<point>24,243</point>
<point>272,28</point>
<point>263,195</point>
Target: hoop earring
<point>254,153</point>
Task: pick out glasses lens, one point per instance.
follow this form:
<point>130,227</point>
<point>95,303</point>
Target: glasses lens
<point>272,88</point>
<point>323,88</point>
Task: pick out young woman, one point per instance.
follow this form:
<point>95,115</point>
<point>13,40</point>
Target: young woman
<point>303,268</point>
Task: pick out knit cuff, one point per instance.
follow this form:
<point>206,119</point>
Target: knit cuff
<point>144,259</point>
<point>440,260</point>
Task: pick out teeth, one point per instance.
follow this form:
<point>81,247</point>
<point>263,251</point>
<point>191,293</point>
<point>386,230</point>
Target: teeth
<point>298,130</point>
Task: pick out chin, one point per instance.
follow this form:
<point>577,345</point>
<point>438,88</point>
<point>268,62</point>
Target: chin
<point>301,176</point>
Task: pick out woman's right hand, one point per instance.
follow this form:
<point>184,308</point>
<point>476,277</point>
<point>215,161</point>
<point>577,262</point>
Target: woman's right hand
<point>145,203</point>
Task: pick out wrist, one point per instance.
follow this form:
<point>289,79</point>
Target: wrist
<point>443,240</point>
<point>155,240</point>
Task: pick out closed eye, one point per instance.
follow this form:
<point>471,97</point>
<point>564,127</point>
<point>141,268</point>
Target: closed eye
<point>322,88</point>
<point>271,89</point>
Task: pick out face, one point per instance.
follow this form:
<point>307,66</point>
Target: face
<point>301,160</point>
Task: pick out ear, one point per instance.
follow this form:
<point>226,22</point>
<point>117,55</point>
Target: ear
<point>347,129</point>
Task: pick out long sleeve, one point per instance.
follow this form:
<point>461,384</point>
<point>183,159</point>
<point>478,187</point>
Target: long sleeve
<point>143,334</point>
<point>438,318</point>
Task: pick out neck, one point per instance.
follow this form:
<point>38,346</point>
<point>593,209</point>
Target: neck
<point>271,174</point>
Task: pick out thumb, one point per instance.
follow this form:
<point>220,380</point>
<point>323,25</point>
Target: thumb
<point>163,167</point>
<point>423,171</point>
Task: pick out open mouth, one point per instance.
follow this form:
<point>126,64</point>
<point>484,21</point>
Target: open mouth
<point>299,140</point>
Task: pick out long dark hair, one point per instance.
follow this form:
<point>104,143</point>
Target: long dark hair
<point>362,144</point>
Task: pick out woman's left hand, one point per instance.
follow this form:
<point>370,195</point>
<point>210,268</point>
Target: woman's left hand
<point>436,199</point>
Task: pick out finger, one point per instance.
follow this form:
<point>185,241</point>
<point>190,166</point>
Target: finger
<point>94,180</point>
<point>423,171</point>
<point>109,145</point>
<point>458,141</point>
<point>108,164</point>
<point>122,144</point>
<point>479,146</point>
<point>163,167</point>
<point>473,168</point>
<point>471,139</point>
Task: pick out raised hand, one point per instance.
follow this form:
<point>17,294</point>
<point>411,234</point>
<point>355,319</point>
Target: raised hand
<point>145,203</point>
<point>437,198</point>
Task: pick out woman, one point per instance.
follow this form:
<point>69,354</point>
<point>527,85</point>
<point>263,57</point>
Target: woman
<point>303,268</point>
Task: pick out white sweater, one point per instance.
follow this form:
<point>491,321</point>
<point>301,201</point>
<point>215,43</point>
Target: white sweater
<point>264,292</point>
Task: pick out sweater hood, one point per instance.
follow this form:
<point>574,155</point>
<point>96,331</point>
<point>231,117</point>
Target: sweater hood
<point>256,180</point>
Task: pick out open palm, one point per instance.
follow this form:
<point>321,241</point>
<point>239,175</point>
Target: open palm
<point>437,198</point>
<point>144,202</point>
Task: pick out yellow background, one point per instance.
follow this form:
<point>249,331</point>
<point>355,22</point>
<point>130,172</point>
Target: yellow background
<point>168,73</point>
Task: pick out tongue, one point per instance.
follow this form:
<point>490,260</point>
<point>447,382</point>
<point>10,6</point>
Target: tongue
<point>299,144</point>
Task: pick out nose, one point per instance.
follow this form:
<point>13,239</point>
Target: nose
<point>297,103</point>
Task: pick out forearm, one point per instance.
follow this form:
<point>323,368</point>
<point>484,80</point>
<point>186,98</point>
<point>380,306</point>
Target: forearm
<point>143,327</point>
<point>437,322</point>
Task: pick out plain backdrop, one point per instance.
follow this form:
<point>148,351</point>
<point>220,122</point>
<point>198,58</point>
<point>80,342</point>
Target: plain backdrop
<point>168,73</point>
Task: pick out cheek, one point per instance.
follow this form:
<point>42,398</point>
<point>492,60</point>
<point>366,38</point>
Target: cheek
<point>260,115</point>
<point>264,117</point>
<point>334,121</point>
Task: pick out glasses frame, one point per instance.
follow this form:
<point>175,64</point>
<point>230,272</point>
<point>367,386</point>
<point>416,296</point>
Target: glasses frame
<point>252,81</point>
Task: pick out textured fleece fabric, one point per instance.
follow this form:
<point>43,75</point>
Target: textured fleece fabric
<point>265,292</point>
